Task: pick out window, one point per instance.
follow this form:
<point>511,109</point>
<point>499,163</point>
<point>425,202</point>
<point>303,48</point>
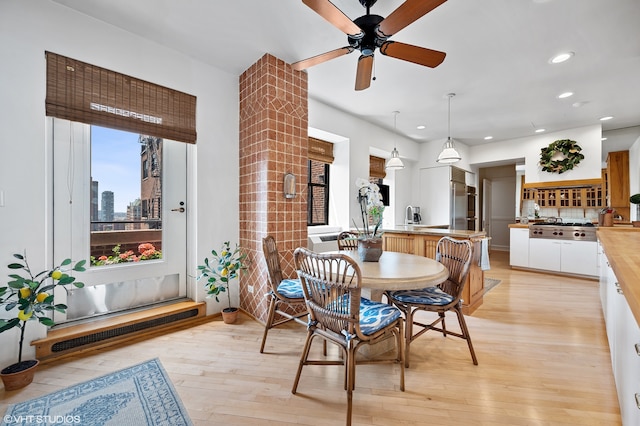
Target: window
<point>318,193</point>
<point>130,201</point>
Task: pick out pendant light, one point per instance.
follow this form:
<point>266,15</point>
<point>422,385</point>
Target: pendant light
<point>449,153</point>
<point>394,163</point>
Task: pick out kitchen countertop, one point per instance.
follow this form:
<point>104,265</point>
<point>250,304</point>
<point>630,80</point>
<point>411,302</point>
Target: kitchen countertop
<point>621,244</point>
<point>428,230</point>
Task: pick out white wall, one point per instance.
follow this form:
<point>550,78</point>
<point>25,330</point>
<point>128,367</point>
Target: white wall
<point>589,139</point>
<point>27,29</point>
<point>364,139</point>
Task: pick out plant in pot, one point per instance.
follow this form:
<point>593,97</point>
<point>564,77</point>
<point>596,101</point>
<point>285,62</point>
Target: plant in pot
<point>219,271</point>
<point>635,199</point>
<point>29,298</point>
<point>371,209</point>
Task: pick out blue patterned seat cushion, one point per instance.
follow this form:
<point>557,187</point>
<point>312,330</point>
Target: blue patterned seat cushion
<point>375,316</point>
<point>291,288</point>
<point>424,296</point>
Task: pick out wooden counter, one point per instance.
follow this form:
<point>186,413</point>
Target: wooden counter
<point>621,244</point>
<point>519,225</point>
<point>422,241</point>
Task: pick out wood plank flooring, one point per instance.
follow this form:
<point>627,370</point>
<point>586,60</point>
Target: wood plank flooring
<point>540,341</point>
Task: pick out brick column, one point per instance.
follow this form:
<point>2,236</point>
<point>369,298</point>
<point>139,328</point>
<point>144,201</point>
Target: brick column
<point>273,142</point>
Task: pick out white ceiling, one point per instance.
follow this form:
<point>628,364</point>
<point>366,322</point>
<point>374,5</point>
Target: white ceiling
<point>497,59</point>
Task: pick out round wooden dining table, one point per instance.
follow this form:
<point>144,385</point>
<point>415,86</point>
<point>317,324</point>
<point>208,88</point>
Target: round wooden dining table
<point>398,271</point>
<point>394,271</point>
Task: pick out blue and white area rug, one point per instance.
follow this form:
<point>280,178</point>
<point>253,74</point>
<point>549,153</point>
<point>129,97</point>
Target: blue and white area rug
<point>138,395</point>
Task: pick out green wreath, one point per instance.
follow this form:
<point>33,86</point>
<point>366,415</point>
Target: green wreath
<point>569,149</point>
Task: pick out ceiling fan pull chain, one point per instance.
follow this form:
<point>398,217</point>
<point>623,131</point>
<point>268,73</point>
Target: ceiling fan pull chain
<point>374,69</point>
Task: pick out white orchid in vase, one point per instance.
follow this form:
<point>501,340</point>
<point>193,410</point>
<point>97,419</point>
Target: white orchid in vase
<point>371,207</point>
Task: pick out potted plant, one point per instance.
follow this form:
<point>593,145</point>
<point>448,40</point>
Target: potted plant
<point>29,298</point>
<point>219,272</point>
<point>635,199</point>
<point>371,209</point>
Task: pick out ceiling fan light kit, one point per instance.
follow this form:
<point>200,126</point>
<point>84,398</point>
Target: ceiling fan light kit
<point>369,32</point>
<point>449,153</point>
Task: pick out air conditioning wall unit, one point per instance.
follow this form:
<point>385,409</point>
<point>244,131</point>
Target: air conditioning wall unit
<point>322,239</point>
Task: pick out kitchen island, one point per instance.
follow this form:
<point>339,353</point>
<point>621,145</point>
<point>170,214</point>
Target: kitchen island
<point>421,240</point>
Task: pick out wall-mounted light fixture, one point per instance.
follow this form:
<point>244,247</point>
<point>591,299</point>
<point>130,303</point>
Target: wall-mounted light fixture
<point>289,187</point>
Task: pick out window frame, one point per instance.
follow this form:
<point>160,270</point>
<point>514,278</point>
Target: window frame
<point>310,199</point>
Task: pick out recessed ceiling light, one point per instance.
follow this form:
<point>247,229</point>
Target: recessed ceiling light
<point>420,127</point>
<point>488,138</point>
<point>603,139</point>
<point>579,104</point>
<point>540,130</point>
<point>561,57</point>
<point>565,95</point>
<point>606,118</point>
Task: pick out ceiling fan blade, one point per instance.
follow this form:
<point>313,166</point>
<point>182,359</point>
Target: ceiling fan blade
<point>335,16</point>
<point>363,75</point>
<point>406,13</point>
<point>416,54</point>
<point>318,59</point>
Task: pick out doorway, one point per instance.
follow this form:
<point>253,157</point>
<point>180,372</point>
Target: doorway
<point>498,200</point>
<point>120,203</point>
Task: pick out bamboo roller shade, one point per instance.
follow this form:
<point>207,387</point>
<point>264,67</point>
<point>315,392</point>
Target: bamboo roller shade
<point>89,94</point>
<point>320,150</point>
<point>376,167</point>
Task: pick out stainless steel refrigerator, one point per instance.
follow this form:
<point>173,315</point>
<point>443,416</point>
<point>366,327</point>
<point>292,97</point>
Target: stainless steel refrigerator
<point>444,198</point>
<point>458,210</point>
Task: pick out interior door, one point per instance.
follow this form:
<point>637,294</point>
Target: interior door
<point>117,287</point>
<point>486,207</point>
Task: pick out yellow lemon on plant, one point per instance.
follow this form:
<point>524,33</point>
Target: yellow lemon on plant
<point>25,292</point>
<point>56,275</point>
<point>24,317</point>
<point>224,272</point>
<point>41,296</point>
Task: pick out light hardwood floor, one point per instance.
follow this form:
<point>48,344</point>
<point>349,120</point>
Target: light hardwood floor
<point>540,341</point>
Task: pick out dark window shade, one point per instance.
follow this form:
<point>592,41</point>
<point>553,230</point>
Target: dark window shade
<point>89,94</point>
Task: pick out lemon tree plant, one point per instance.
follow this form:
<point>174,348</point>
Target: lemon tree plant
<point>220,270</point>
<point>30,297</point>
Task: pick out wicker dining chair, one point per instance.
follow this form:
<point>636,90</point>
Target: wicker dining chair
<point>338,314</point>
<point>283,292</point>
<point>456,256</point>
<point>347,241</point>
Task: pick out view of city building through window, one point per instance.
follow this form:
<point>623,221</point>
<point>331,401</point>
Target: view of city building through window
<point>317,193</point>
<point>126,197</point>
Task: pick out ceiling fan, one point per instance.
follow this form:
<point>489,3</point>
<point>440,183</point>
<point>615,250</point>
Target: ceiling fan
<point>369,32</point>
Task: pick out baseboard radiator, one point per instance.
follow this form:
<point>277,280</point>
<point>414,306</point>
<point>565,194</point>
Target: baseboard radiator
<point>108,331</point>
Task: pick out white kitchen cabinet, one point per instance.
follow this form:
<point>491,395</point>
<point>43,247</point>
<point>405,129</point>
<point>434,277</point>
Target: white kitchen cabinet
<point>623,334</point>
<point>579,257</point>
<point>572,257</point>
<point>545,254</point>
<point>603,264</point>
<point>519,247</point>
<point>628,364</point>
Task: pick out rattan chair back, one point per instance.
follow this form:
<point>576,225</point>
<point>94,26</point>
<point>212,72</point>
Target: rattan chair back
<point>347,241</point>
<point>272,258</point>
<point>455,255</point>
